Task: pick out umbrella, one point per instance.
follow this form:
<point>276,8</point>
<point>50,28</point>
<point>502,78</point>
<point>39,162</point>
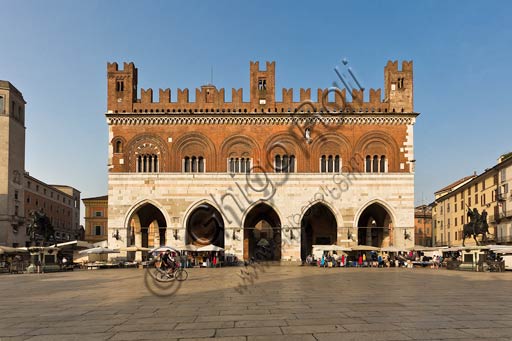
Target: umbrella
<point>135,248</point>
<point>263,242</point>
<point>210,248</point>
<point>8,249</point>
<point>98,251</point>
<point>163,249</point>
<point>189,247</point>
<point>365,248</point>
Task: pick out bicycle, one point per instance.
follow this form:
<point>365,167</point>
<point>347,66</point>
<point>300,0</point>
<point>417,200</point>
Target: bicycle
<point>164,275</point>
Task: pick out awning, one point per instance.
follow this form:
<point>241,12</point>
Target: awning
<point>8,249</point>
<point>365,248</point>
<point>210,248</point>
<point>97,251</point>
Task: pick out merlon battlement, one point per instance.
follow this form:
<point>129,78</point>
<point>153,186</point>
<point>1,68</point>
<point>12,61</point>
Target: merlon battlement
<point>122,94</point>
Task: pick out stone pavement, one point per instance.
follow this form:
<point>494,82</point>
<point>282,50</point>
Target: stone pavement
<point>282,303</point>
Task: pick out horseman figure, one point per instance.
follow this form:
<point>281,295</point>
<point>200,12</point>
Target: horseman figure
<point>477,225</point>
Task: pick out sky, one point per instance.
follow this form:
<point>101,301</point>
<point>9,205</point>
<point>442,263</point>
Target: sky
<point>56,52</point>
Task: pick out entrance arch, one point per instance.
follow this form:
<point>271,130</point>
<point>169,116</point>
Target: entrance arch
<point>318,227</point>
<point>205,226</point>
<point>373,226</point>
<point>262,233</point>
<point>147,227</point>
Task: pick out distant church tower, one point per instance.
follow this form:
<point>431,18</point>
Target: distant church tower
<point>12,165</point>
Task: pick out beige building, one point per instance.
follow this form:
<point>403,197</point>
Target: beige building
<point>503,211</point>
<point>21,193</point>
<point>12,165</point>
<point>423,225</point>
<point>61,204</point>
<point>96,218</point>
<point>450,211</point>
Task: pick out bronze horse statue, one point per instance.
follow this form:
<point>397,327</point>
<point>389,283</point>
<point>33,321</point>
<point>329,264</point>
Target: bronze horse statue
<point>477,225</point>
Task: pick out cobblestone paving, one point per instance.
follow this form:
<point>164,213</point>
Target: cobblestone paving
<point>281,303</point>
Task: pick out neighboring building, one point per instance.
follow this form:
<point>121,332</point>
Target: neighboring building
<point>503,211</point>
<point>450,211</point>
<point>295,173</point>
<point>21,193</point>
<point>96,217</point>
<point>12,165</point>
<point>423,225</point>
<point>60,203</point>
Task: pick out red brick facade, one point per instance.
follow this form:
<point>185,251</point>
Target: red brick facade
<point>260,129</point>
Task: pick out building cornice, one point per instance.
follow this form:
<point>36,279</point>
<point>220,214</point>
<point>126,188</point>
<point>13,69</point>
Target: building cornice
<point>261,118</point>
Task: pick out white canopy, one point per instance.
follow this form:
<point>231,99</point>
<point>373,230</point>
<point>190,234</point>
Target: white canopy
<point>210,247</point>
<point>8,249</point>
<point>390,249</point>
<point>365,248</point>
<point>75,244</point>
<point>135,248</point>
<point>331,248</point>
<point>189,247</point>
<point>98,250</point>
<point>164,248</point>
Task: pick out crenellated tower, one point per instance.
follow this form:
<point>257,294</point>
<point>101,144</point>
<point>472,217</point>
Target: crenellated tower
<point>122,87</point>
<point>398,86</point>
<point>263,84</point>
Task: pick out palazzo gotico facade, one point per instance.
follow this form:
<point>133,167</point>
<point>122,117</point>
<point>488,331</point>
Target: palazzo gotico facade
<point>283,175</point>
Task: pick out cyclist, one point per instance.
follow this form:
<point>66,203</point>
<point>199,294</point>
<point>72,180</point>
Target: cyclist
<point>169,263</point>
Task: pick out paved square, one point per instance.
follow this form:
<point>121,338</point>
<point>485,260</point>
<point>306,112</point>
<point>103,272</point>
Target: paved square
<point>281,303</point>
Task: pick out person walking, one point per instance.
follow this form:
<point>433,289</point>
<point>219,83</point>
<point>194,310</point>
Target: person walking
<point>360,261</point>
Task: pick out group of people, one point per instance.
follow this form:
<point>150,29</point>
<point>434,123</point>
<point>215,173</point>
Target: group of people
<point>373,259</point>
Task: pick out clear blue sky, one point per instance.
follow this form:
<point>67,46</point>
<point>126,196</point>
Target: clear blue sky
<point>56,52</point>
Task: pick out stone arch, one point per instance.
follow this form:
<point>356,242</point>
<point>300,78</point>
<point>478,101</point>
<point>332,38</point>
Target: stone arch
<point>147,143</point>
<point>262,232</point>
<point>379,143</point>
<point>146,223</point>
<point>318,225</point>
<point>204,224</point>
<point>196,144</point>
<point>374,222</point>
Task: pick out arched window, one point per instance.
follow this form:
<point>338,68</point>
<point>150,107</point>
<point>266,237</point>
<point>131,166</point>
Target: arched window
<point>231,163</point>
<point>368,164</point>
<point>330,164</point>
<point>323,164</point>
<point>247,165</point>
<point>277,164</point>
<point>194,164</point>
<point>118,147</point>
<point>382,164</point>
<point>186,165</point>
<point>337,163</point>
<point>285,165</point>
<point>291,166</point>
<point>375,167</point>
<point>193,160</point>
<point>242,165</point>
<point>200,167</point>
<point>147,163</point>
<point>239,165</point>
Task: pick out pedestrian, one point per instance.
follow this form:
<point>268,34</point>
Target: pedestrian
<point>360,260</point>
<point>342,260</point>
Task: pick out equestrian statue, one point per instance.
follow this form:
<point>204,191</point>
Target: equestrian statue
<point>477,225</point>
